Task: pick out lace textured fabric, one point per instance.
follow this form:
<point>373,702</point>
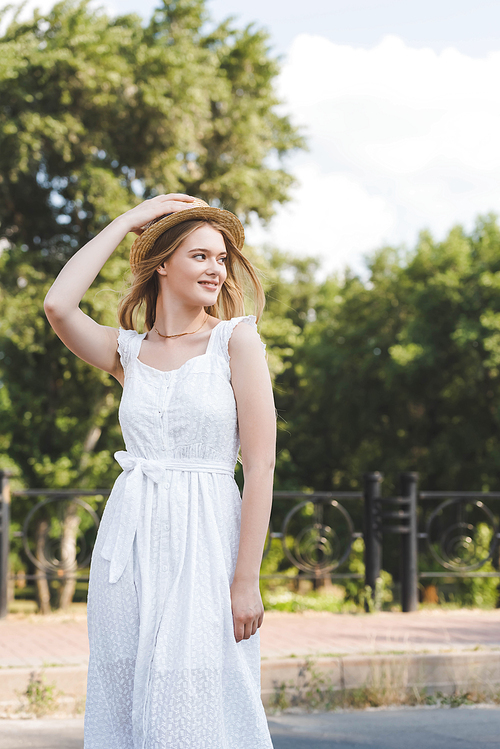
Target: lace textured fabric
<point>165,671</point>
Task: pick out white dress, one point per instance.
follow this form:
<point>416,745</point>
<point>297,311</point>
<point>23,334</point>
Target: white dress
<point>165,670</point>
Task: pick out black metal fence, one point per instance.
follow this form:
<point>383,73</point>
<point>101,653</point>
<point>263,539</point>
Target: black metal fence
<point>57,535</point>
<point>317,533</point>
<point>319,541</point>
<point>459,533</point>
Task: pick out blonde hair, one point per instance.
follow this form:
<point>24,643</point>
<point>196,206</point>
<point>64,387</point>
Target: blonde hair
<point>143,293</point>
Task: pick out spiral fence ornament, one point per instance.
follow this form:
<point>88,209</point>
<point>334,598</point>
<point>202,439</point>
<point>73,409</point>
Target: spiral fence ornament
<point>462,533</point>
<point>456,533</point>
<point>321,532</point>
<point>44,539</point>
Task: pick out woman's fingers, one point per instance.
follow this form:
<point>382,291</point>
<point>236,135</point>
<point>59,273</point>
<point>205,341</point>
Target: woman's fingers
<point>244,630</point>
<point>178,196</point>
<point>175,204</point>
<point>174,201</point>
<point>155,207</point>
<point>247,609</point>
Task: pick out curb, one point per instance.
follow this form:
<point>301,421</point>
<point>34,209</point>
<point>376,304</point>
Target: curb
<point>446,672</point>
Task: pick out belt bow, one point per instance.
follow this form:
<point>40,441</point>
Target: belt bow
<point>119,540</point>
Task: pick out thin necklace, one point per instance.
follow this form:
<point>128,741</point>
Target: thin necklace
<point>190,332</point>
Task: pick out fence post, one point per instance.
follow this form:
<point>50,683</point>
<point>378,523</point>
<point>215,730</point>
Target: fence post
<point>372,533</point>
<point>4,542</point>
<point>409,550</point>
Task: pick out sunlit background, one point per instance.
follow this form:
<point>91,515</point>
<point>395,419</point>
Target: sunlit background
<point>399,103</point>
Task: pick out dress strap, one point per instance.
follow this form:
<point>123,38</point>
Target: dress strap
<point>129,344</point>
<point>224,331</point>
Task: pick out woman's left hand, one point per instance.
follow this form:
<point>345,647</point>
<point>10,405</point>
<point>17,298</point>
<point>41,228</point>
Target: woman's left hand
<point>247,607</point>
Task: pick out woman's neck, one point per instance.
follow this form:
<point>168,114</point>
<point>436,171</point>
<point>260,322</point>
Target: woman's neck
<point>172,319</point>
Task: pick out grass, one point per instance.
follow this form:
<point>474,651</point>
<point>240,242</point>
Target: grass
<point>43,699</point>
<point>39,698</point>
<point>280,599</point>
<point>286,600</point>
<point>314,690</point>
<point>25,609</point>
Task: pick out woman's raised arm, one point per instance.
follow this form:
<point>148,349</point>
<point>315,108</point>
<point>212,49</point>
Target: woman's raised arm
<point>94,343</point>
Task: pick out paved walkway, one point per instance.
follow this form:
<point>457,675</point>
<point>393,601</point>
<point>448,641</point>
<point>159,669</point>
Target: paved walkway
<point>62,640</point>
<point>326,634</point>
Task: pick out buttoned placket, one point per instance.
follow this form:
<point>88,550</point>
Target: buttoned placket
<point>164,396</point>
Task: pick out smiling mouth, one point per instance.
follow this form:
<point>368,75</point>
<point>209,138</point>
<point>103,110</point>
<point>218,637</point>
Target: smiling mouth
<point>208,284</point>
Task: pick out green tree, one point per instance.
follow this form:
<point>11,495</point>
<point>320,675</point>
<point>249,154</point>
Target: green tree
<point>97,113</point>
<point>402,373</point>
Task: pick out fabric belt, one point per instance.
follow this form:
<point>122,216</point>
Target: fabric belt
<point>119,540</point>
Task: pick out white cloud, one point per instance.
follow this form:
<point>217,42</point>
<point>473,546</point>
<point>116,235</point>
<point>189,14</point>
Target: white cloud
<point>331,215</point>
<point>401,139</point>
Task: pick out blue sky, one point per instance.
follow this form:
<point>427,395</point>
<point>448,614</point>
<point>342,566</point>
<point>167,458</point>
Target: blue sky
<point>399,101</point>
<point>471,27</point>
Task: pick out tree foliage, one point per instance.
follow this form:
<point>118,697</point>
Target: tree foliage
<point>402,373</point>
<point>97,113</point>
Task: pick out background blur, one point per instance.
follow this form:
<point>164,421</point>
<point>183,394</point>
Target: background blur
<point>358,141</point>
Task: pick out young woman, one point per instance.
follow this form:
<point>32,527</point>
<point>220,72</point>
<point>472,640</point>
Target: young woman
<point>174,604</point>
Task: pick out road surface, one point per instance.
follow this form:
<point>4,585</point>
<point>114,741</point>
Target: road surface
<point>467,727</point>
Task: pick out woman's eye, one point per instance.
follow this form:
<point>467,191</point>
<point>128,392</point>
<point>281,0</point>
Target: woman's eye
<point>202,254</point>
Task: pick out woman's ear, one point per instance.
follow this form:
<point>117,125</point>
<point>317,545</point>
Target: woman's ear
<point>162,270</point>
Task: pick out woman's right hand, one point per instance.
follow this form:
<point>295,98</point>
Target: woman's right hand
<point>92,342</point>
<point>148,210</point>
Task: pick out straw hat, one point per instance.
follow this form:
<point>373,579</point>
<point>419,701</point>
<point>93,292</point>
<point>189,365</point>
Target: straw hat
<point>153,229</point>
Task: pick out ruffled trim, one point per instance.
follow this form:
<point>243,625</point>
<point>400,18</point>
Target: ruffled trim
<point>124,345</point>
<point>250,320</point>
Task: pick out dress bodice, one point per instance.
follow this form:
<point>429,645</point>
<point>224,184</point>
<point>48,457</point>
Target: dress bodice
<point>186,414</point>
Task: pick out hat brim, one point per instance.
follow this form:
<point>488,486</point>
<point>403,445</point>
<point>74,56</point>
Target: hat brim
<point>142,245</point>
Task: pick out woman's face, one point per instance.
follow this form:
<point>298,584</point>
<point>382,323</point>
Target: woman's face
<point>196,270</point>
